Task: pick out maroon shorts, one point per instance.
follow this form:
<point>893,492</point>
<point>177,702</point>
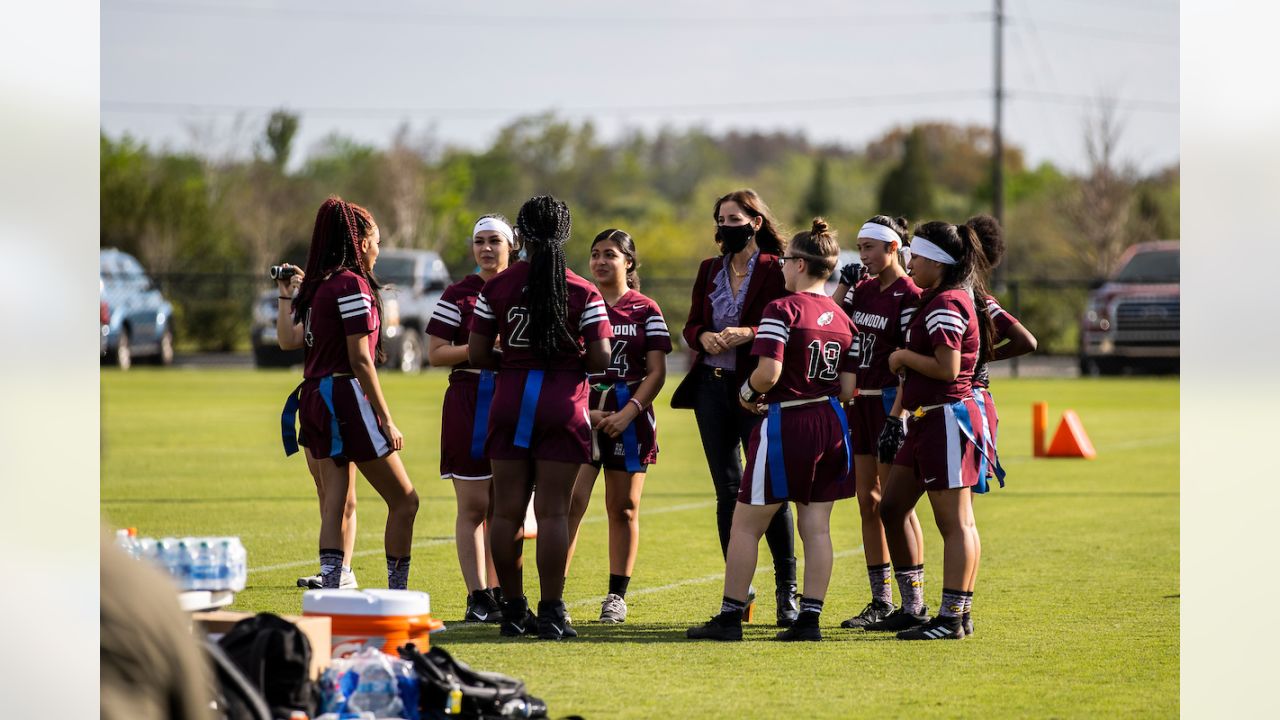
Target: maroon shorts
<point>866,420</point>
<point>817,469</point>
<point>359,435</point>
<point>457,426</point>
<point>559,431</point>
<point>611,453</point>
<point>939,452</point>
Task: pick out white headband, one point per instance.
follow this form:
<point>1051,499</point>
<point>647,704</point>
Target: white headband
<point>876,231</point>
<point>494,225</point>
<point>926,249</point>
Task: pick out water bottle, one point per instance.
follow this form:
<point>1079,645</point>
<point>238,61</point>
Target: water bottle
<point>204,567</point>
<point>183,564</point>
<point>238,559</point>
<point>376,692</point>
<point>124,542</point>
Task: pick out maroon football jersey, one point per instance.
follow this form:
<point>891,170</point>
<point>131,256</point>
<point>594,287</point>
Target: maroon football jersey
<point>501,310</point>
<point>813,339</point>
<point>342,306</point>
<point>638,327</point>
<point>453,310</point>
<point>949,319</point>
<point>1001,321</point>
<point>881,317</point>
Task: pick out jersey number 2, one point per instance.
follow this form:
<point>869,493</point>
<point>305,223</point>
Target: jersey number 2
<point>824,360</point>
<point>519,318</point>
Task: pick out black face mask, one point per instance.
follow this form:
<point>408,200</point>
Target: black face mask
<point>734,238</point>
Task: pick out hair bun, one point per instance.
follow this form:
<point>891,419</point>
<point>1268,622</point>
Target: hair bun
<point>820,226</point>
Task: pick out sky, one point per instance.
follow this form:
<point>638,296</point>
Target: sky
<point>204,74</point>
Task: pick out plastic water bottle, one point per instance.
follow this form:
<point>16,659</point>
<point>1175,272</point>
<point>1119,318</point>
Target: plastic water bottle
<point>182,562</point>
<point>237,560</point>
<point>204,567</point>
<point>376,693</point>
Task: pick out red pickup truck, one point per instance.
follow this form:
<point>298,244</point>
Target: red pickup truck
<point>1132,320</point>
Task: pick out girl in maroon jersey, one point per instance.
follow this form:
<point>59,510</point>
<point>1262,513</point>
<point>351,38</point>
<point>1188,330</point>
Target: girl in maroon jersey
<point>880,306</point>
<point>345,419</point>
<point>625,442</point>
<point>800,452</point>
<point>944,444</point>
<point>553,326</point>
<point>465,416</point>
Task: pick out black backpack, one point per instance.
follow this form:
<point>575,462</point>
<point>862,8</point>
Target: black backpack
<point>234,697</point>
<point>275,656</point>
<point>485,695</point>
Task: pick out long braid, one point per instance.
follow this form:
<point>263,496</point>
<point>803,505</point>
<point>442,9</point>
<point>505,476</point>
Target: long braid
<point>544,224</point>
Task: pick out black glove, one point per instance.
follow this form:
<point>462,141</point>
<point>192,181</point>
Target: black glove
<point>891,439</point>
<point>851,273</point>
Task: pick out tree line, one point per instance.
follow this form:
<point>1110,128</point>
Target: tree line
<point>196,214</point>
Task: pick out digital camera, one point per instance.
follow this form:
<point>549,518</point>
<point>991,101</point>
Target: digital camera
<point>282,272</point>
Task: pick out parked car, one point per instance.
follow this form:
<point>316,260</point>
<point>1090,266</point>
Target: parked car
<point>1132,320</point>
<point>138,319</point>
<point>412,282</point>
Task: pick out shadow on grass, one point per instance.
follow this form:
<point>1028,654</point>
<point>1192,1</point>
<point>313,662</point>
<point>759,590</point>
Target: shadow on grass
<point>209,500</point>
<point>458,633</point>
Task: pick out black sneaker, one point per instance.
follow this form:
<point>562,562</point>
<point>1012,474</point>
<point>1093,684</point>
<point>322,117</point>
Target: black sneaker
<point>553,621</point>
<point>875,611</point>
<point>966,622</point>
<point>517,620</point>
<point>788,605</point>
<point>939,628</point>
<point>481,608</point>
<point>804,628</point>
<point>899,620</point>
<point>720,627</point>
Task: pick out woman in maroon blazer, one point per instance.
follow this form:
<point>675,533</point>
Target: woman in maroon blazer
<point>729,296</point>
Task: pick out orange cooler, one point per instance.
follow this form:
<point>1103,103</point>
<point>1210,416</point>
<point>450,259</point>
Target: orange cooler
<point>385,619</point>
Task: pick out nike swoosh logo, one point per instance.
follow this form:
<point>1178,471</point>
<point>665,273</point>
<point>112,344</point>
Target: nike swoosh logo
<point>897,294</point>
<point>482,616</point>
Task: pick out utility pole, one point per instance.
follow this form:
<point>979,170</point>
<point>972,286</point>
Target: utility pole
<point>997,150</point>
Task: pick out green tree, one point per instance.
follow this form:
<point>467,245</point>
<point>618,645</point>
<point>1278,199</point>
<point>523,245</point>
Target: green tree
<point>907,189</point>
<point>817,200</point>
<point>281,128</point>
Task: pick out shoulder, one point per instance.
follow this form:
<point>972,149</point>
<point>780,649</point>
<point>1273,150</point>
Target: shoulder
<point>768,262</point>
<point>464,288</point>
<point>787,305</point>
<point>910,287</point>
<point>345,282</point>
<point>579,286</point>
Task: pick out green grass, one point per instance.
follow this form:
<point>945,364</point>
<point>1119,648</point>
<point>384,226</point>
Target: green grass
<point>1076,606</point>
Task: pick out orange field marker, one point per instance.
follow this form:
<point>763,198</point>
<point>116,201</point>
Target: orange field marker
<point>1071,439</point>
<point>1039,422</point>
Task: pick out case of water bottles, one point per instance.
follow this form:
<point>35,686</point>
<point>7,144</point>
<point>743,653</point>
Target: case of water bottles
<point>195,563</point>
<point>367,685</point>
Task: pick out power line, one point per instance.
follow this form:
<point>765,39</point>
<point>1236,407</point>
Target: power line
<point>1086,100</point>
<point>1097,33</point>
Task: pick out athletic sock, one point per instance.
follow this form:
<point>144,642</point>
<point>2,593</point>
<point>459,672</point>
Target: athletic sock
<point>911,588</point>
<point>398,572</point>
<point>810,611</point>
<point>952,603</point>
<point>968,602</point>
<point>732,609</point>
<point>618,584</point>
<point>881,584</point>
<point>330,568</point>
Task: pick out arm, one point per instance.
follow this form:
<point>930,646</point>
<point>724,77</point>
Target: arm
<point>289,335</point>
<point>1021,342</point>
<point>442,353</point>
<point>597,359</point>
<point>367,374</point>
<point>896,411</point>
<point>655,363</point>
<point>693,326</point>
<point>762,380</point>
<point>944,365</point>
<point>848,386</point>
<point>481,353</point>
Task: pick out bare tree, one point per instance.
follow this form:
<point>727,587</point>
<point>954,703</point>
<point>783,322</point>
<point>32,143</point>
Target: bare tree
<point>1102,206</point>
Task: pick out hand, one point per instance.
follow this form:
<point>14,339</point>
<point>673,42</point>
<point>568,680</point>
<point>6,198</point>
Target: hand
<point>891,439</point>
<point>394,435</point>
<point>897,360</point>
<point>734,336</point>
<point>753,408</point>
<point>595,416</point>
<point>615,422</point>
<point>288,287</point>
<point>851,273</point>
<point>712,343</point>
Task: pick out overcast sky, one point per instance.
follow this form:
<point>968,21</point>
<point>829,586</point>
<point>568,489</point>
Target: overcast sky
<point>843,71</point>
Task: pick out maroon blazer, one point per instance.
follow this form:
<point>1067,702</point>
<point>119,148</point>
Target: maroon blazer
<point>767,285</point>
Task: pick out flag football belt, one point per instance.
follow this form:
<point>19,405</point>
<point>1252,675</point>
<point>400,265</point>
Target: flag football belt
<point>484,398</point>
<point>986,449</point>
<point>630,443</point>
<point>775,459</point>
<point>886,395</point>
<point>990,457</point>
<point>473,371</point>
<point>289,416</point>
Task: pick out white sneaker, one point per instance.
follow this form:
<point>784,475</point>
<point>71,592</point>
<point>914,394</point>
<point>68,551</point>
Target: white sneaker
<point>315,582</point>
<point>613,609</point>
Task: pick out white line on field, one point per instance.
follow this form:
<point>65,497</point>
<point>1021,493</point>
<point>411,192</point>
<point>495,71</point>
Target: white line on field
<point>449,541</point>
<point>1145,442</point>
<point>697,581</point>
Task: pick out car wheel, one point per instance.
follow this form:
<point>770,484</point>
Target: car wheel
<point>124,352</point>
<point>411,352</point>
<point>165,356</point>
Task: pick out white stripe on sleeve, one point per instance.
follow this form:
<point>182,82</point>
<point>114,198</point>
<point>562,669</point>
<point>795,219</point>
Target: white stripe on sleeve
<point>482,308</point>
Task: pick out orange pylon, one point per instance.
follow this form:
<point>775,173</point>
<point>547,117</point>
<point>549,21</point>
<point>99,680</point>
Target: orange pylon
<point>1071,439</point>
<point>1039,421</point>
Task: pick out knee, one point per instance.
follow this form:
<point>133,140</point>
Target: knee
<point>407,506</point>
<point>471,516</point>
<point>869,506</point>
<point>892,512</point>
<point>625,512</point>
<point>349,507</point>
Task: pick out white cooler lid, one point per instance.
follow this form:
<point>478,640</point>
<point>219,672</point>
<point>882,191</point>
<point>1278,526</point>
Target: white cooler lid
<point>375,602</point>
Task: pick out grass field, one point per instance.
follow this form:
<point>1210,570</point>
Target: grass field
<point>1076,607</point>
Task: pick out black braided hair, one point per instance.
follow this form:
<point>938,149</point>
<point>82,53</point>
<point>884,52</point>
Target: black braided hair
<point>543,225</point>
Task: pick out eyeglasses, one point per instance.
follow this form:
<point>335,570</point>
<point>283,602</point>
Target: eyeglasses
<point>785,258</point>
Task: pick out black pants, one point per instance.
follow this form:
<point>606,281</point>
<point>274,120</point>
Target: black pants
<point>725,429</point>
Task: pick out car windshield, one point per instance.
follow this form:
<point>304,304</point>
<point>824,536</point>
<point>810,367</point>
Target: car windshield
<point>1158,266</point>
<point>395,271</point>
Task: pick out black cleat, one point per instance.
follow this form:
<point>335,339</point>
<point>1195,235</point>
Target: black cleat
<point>804,628</point>
<point>517,620</point>
<point>481,608</point>
<point>875,611</point>
<point>553,621</point>
<point>939,628</point>
<point>788,605</point>
<point>719,627</point>
<point>899,620</point>
<point>966,622</point>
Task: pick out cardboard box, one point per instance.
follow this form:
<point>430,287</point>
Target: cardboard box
<point>317,628</point>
